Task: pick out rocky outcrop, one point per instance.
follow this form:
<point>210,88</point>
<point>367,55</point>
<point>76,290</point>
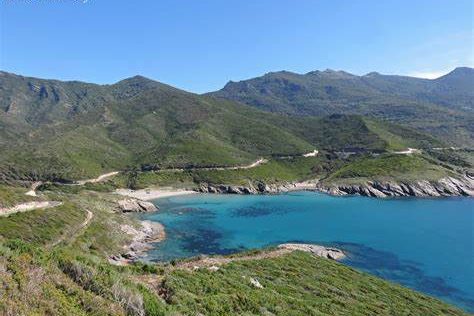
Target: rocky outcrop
<point>316,250</point>
<point>448,186</point>
<point>141,239</point>
<point>137,206</point>
<point>258,188</point>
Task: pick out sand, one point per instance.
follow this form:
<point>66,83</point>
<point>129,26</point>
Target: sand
<point>153,193</point>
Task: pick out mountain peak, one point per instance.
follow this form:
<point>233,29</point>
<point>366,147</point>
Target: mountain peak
<point>137,79</point>
<point>372,74</point>
<point>331,73</point>
<point>460,71</point>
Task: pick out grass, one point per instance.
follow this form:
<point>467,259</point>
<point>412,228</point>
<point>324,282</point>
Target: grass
<point>43,225</point>
<point>12,195</point>
<point>295,284</point>
<point>390,166</point>
<point>74,278</point>
<point>275,171</point>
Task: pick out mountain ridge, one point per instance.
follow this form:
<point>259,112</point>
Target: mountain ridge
<point>70,130</point>
<point>443,107</point>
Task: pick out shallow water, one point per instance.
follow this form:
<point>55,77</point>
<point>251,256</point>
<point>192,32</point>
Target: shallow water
<point>425,244</point>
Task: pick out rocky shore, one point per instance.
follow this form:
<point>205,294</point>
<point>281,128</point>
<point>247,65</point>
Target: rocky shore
<point>142,237</point>
<point>448,186</point>
<point>444,187</point>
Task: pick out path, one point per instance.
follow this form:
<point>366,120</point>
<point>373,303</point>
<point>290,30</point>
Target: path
<point>113,173</point>
<point>409,151</point>
<point>252,165</point>
<point>76,232</point>
<point>28,206</point>
<point>314,153</point>
<point>98,179</point>
<point>33,188</point>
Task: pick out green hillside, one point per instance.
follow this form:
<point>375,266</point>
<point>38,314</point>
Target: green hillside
<point>53,130</point>
<point>43,277</point>
<point>443,107</point>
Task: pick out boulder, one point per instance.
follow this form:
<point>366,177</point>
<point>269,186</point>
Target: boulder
<point>316,250</point>
<point>134,205</point>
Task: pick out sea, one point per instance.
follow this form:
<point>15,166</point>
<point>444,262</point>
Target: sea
<point>421,243</point>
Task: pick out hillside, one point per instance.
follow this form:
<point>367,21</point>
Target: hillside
<point>54,130</point>
<point>43,277</point>
<point>443,107</point>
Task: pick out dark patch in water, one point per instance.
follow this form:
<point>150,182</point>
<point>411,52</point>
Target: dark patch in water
<point>206,241</point>
<point>261,209</point>
<point>388,266</point>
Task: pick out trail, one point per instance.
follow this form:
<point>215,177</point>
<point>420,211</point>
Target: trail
<point>76,232</point>
<point>314,153</point>
<point>409,151</point>
<point>98,179</point>
<point>252,165</point>
<point>28,206</point>
<point>33,188</point>
<point>113,173</point>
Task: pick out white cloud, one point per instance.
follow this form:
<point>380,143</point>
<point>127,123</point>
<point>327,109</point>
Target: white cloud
<point>428,74</point>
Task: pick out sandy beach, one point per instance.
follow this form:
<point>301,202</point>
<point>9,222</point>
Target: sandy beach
<point>153,193</point>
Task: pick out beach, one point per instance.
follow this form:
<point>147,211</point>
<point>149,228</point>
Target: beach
<point>153,193</point>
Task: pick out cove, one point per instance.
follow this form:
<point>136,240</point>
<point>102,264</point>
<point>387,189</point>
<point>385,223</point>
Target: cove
<point>424,244</point>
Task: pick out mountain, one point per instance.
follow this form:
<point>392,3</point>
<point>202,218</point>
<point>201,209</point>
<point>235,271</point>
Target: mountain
<point>443,107</point>
<point>51,129</point>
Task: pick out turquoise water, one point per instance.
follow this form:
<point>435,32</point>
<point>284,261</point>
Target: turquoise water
<point>425,244</point>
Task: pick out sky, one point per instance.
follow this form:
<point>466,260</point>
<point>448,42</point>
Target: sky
<point>200,45</point>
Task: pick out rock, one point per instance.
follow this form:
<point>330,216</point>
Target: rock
<point>214,268</point>
<point>448,186</point>
<point>134,205</point>
<point>255,283</point>
<point>131,255</point>
<point>147,206</point>
<point>319,251</point>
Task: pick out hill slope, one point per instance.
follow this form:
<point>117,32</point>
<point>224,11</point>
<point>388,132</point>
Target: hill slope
<point>51,129</point>
<point>444,106</point>
<point>42,277</point>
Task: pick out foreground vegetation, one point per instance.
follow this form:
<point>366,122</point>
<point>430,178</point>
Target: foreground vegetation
<point>51,265</point>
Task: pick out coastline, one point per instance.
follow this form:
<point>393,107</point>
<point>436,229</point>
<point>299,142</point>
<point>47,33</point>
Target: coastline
<point>444,187</point>
<point>153,232</point>
<point>149,194</point>
<point>142,241</point>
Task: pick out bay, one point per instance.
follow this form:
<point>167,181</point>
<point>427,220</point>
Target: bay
<point>424,244</point>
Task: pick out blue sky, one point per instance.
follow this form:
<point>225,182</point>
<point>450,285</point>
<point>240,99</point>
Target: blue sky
<point>200,45</point>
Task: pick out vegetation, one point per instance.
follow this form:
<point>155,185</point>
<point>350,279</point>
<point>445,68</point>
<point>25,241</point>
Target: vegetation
<point>54,261</point>
<point>51,264</point>
<point>63,131</point>
<point>295,284</point>
<point>12,195</point>
<point>277,170</point>
<point>74,278</point>
<point>442,107</point>
<point>392,166</point>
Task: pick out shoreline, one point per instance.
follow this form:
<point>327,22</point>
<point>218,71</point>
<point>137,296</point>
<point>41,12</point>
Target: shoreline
<point>142,241</point>
<point>444,187</point>
<point>149,194</point>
